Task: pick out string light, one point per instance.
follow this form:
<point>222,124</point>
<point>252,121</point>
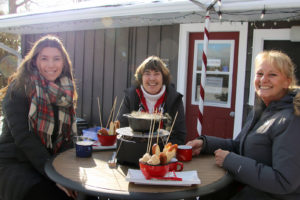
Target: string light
<point>263,12</point>
<point>220,15</point>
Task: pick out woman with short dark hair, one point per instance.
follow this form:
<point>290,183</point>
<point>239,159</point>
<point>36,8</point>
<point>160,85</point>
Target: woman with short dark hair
<point>154,93</point>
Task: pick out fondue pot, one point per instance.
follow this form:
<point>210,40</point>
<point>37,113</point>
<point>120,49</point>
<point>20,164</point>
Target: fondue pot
<point>142,124</point>
<point>133,145</point>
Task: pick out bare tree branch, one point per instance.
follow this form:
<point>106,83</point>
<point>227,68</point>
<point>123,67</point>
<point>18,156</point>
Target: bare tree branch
<point>22,3</point>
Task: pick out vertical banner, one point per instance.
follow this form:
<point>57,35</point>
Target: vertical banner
<point>203,74</point>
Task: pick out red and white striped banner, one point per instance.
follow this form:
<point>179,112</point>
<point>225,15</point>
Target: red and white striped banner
<point>203,74</point>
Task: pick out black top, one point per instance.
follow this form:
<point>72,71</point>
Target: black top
<point>22,154</point>
<point>173,103</point>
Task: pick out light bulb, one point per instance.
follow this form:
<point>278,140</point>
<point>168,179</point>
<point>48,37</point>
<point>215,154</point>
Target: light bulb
<point>263,12</point>
<point>220,15</point>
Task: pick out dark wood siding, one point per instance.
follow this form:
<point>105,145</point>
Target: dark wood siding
<point>105,61</point>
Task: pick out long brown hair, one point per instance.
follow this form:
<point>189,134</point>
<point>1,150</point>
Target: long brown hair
<point>26,68</point>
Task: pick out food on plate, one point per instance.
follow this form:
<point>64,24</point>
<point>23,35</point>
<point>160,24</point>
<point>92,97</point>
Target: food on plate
<point>167,146</point>
<point>113,126</point>
<point>154,160</point>
<point>145,158</point>
<point>117,124</point>
<point>163,158</point>
<point>144,115</point>
<point>171,152</point>
<point>158,157</point>
<point>155,149</point>
<point>103,131</point>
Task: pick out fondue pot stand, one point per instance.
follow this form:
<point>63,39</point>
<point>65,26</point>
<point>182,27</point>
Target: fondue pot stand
<point>133,145</point>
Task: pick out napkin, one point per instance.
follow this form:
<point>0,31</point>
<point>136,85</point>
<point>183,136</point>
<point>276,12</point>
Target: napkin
<point>188,178</point>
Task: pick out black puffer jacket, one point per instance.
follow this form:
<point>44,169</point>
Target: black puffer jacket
<point>22,154</point>
<point>265,155</point>
<point>173,103</point>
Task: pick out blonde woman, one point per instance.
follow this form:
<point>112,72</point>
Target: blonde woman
<point>265,156</point>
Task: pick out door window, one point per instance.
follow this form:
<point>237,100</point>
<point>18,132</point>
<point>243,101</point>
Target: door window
<point>219,73</point>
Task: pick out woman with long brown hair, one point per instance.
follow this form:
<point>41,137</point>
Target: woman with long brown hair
<point>39,122</point>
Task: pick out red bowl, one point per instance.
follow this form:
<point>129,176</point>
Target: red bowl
<point>107,140</point>
<point>150,171</point>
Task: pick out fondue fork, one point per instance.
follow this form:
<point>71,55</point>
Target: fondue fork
<point>172,127</point>
<point>99,112</point>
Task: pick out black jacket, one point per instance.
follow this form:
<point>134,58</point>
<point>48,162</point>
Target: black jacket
<point>173,103</point>
<point>22,154</point>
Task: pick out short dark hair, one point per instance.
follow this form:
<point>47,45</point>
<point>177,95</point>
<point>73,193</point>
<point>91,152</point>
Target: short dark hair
<point>152,63</point>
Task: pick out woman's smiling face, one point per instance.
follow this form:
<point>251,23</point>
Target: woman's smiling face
<point>152,81</point>
<point>50,63</point>
<point>270,83</point>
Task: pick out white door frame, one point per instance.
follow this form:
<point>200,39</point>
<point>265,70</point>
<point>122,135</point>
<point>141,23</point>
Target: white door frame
<point>185,29</point>
<point>259,36</point>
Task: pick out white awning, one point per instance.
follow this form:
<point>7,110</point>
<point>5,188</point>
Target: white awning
<point>97,15</point>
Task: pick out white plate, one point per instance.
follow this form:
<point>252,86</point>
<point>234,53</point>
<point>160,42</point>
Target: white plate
<point>127,131</point>
<point>188,178</point>
<point>97,146</point>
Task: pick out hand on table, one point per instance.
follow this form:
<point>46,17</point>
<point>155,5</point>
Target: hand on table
<point>196,146</point>
<point>220,156</point>
<point>69,192</point>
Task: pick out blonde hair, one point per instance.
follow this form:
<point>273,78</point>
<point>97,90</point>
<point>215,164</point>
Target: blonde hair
<point>281,62</point>
<point>284,64</point>
<point>152,63</point>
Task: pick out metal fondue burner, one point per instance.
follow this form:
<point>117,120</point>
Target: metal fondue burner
<point>134,144</point>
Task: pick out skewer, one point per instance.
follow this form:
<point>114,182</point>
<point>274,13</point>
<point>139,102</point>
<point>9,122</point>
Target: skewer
<point>99,112</point>
<point>153,125</point>
<point>158,128</point>
<point>172,126</point>
<point>121,104</point>
<point>114,108</point>
<point>110,114</point>
<point>118,148</point>
<point>148,143</point>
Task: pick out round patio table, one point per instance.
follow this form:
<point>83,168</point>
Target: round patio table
<point>94,177</point>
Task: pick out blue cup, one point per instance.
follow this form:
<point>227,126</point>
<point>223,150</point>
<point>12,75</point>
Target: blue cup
<point>83,147</point>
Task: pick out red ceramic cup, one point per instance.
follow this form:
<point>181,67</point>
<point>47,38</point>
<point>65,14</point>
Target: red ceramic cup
<point>152,171</point>
<point>174,165</point>
<point>107,140</point>
<point>184,153</point>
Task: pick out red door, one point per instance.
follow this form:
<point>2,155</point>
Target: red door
<point>220,87</point>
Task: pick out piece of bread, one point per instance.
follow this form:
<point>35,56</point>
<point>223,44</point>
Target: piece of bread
<point>155,149</point>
